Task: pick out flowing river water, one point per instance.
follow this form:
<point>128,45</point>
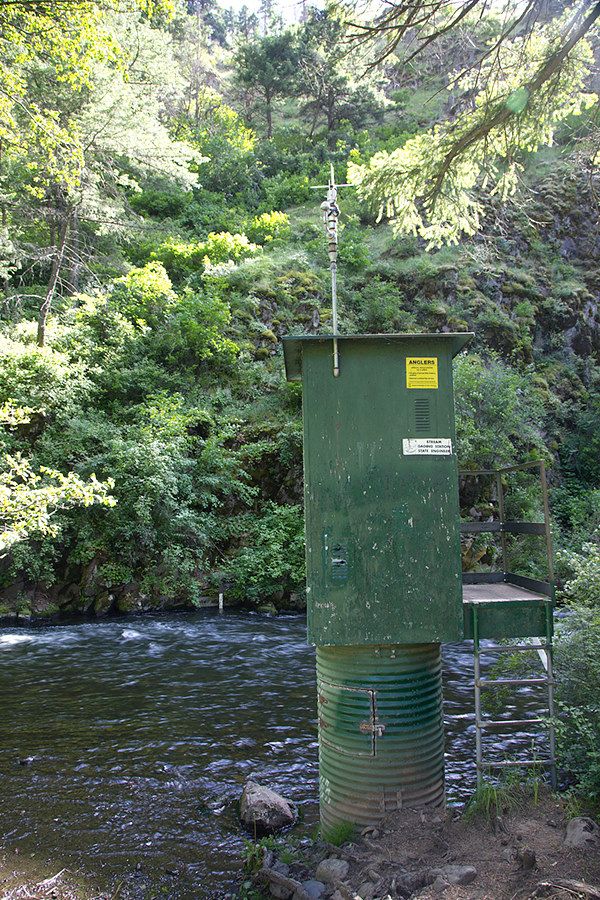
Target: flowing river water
<point>125,744</point>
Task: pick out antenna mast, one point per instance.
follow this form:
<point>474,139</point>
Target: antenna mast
<point>331,212</point>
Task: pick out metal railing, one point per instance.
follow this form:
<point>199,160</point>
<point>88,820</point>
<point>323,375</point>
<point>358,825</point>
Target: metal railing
<point>505,527</point>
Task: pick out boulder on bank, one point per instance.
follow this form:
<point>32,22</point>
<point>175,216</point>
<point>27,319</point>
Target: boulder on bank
<point>582,833</point>
<point>263,811</point>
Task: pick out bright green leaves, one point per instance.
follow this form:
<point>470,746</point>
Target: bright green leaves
<point>35,377</point>
<point>29,499</point>
<point>496,408</point>
<point>583,584</point>
<point>184,327</point>
<point>518,100</point>
<point>432,184</point>
<point>267,227</point>
<point>271,557</point>
<point>218,127</point>
<point>184,258</point>
<point>145,296</point>
<point>38,41</point>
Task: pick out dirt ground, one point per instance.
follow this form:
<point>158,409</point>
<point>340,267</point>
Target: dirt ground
<point>24,878</point>
<point>518,854</point>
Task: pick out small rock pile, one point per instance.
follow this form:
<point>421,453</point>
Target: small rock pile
<point>335,878</point>
<point>528,851</point>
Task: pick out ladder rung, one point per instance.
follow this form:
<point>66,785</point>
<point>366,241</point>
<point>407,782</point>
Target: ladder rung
<point>508,648</point>
<point>502,722</point>
<point>487,682</point>
<point>518,762</point>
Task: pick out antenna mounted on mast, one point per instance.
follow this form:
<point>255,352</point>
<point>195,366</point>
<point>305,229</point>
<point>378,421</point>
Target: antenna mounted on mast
<point>331,213</point>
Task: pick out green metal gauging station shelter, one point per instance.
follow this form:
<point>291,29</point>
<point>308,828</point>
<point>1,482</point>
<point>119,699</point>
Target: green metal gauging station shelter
<point>383,558</point>
<point>381,477</point>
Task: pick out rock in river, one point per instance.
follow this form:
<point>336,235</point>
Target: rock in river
<point>263,810</point>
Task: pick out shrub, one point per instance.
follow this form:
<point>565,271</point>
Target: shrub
<point>209,211</point>
<point>272,558</point>
<point>40,378</point>
<point>144,293</point>
<point>268,226</point>
<point>225,246</point>
<point>378,308</point>
<point>354,255</point>
<point>182,259</point>
<point>577,666</point>
<point>583,587</point>
<point>498,411</point>
<point>283,191</point>
<point>580,449</point>
<point>160,204</point>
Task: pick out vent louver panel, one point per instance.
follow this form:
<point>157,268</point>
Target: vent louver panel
<point>422,415</point>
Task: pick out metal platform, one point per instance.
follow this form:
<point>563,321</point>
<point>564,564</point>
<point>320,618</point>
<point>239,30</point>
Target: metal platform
<point>506,610</point>
<point>500,592</point>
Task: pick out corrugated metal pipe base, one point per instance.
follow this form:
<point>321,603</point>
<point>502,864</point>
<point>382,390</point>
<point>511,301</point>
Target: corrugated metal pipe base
<point>381,731</point>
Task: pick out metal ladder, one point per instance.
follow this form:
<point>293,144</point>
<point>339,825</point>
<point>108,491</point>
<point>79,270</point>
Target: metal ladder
<point>544,649</point>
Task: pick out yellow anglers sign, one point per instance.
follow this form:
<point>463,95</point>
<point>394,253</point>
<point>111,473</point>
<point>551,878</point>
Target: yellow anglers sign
<point>421,372</point>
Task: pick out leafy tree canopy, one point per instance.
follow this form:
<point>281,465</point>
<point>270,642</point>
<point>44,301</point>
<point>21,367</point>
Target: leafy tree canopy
<point>70,35</point>
<point>527,78</point>
<point>267,65</point>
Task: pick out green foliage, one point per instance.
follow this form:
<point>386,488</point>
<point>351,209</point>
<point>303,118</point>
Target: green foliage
<point>284,191</point>
<point>271,556</point>
<point>211,211</point>
<point>333,98</point>
<point>144,315</point>
<point>28,500</point>
<point>498,794</point>
<point>577,664</point>
<point>182,259</point>
<point>580,451</point>
<point>340,833</point>
<point>353,252</point>
<point>577,512</point>
<point>144,295</point>
<point>161,204</point>
<point>428,185</point>
<point>583,584</point>
<point>254,852</point>
<point>227,146</point>
<point>268,226</point>
<point>37,377</point>
<point>498,411</point>
<point>267,65</point>
<point>378,308</point>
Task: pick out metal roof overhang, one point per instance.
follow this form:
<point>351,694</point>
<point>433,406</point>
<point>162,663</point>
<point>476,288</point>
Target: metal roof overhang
<point>293,345</point>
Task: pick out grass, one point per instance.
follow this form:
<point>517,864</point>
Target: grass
<point>339,833</point>
<point>498,795</point>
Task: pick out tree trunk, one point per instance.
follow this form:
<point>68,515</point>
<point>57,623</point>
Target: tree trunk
<point>197,69</point>
<point>331,120</point>
<point>74,257</point>
<point>56,264</point>
<point>4,224</point>
<point>52,227</point>
<point>269,117</point>
<point>6,281</point>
